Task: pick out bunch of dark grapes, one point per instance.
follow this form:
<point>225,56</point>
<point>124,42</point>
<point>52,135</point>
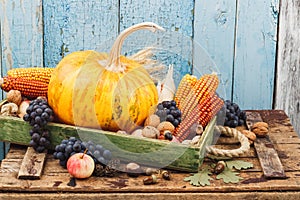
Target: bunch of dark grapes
<point>38,114</point>
<point>234,116</point>
<point>168,111</point>
<point>69,147</point>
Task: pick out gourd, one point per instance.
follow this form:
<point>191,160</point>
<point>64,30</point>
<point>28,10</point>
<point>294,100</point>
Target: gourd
<point>97,90</point>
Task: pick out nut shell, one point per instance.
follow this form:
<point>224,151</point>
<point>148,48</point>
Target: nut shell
<point>250,135</point>
<point>164,126</point>
<point>260,124</point>
<point>152,120</point>
<point>137,133</point>
<point>260,131</point>
<point>150,132</point>
<point>14,96</point>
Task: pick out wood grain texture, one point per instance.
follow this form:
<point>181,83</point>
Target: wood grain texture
<point>214,28</point>
<point>255,50</point>
<point>21,38</point>
<point>32,165</point>
<point>77,25</point>
<point>21,34</point>
<point>156,196</point>
<point>53,182</point>
<point>175,45</point>
<point>288,62</point>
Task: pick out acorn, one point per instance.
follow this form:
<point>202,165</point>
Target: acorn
<point>150,180</point>
<point>220,166</point>
<point>166,175</point>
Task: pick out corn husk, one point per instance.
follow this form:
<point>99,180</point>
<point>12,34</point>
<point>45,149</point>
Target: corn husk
<point>167,88</point>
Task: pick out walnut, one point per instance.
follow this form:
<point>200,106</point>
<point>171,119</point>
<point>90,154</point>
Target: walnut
<point>14,96</point>
<point>250,135</point>
<point>261,129</point>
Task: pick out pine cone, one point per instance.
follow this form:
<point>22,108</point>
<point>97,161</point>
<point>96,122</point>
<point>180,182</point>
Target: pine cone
<point>99,170</point>
<point>111,168</point>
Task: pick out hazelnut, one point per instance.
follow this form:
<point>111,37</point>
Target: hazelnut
<point>150,132</point>
<point>137,133</point>
<point>163,126</point>
<point>250,135</point>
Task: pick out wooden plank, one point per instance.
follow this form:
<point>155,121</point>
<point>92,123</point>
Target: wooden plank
<point>21,37</point>
<point>214,31</point>
<point>255,49</point>
<point>175,45</point>
<point>268,158</point>
<point>252,118</point>
<point>267,155</point>
<point>155,196</point>
<point>58,182</point>
<point>77,25</point>
<point>32,164</point>
<point>21,34</point>
<point>288,59</point>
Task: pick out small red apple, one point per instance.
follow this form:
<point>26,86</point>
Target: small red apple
<point>80,165</point>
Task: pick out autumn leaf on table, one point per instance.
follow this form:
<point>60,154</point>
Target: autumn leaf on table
<point>229,176</point>
<point>238,164</point>
<point>201,178</point>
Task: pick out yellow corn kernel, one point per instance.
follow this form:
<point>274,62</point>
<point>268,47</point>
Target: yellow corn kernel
<point>32,73</point>
<point>184,87</point>
<point>204,87</point>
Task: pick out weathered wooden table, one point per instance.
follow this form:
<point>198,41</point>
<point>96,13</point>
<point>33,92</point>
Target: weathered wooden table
<point>53,183</point>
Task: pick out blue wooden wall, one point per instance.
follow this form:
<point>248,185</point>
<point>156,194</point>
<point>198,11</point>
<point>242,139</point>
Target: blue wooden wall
<point>238,35</point>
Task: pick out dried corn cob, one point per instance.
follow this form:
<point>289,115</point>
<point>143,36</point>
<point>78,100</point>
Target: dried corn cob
<point>210,109</point>
<point>28,88</point>
<point>182,131</point>
<point>185,86</point>
<point>32,73</point>
<point>205,86</point>
<point>202,113</point>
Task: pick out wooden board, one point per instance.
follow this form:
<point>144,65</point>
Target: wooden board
<point>53,183</point>
<point>213,22</point>
<point>77,25</point>
<point>32,164</point>
<point>267,155</point>
<point>268,158</point>
<point>175,45</point>
<point>255,50</point>
<point>288,62</point>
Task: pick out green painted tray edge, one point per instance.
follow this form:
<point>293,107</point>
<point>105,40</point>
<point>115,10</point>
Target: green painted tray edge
<point>15,130</point>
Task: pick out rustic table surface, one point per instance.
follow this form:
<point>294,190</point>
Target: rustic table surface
<point>54,180</point>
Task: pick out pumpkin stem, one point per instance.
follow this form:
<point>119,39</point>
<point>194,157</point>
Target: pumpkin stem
<point>114,63</point>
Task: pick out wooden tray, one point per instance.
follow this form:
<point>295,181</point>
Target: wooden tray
<point>152,152</point>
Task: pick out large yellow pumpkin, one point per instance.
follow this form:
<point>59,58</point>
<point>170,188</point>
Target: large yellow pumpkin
<point>97,90</point>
